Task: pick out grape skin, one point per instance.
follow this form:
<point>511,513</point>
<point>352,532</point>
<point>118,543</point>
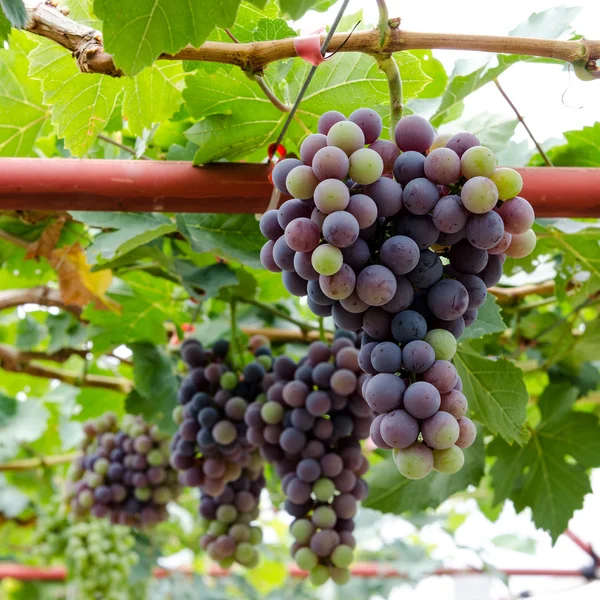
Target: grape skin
<point>418,356</point>
<point>399,429</point>
<point>479,195</point>
<point>310,146</point>
<point>281,171</point>
<point>442,166</point>
<point>441,375</point>
<point>388,151</point>
<point>414,133</point>
<point>347,136</point>
<point>302,235</point>
<point>408,326</point>
<point>366,166</point>
<point>522,245</point>
<point>467,433</point>
<point>420,196</point>
<point>331,195</point>
<point>369,122</point>
<point>449,215</point>
<point>517,215</point>
<point>341,229</point>
<point>449,460</point>
<point>422,400</point>
<point>448,299</point>
<point>386,357</point>
<point>408,166</point>
<point>376,285</point>
<point>301,182</point>
<point>363,209</point>
<point>429,270</point>
<point>415,461</point>
<point>440,431</point>
<point>387,195</point>
<point>400,254</point>
<point>384,392</point>
<point>340,285</point>
<point>484,231</point>
<point>328,119</point>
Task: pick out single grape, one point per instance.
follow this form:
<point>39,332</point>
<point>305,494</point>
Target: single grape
<point>502,245</point>
<point>324,490</point>
<point>517,215</point>
<point>347,136</point>
<point>331,195</point>
<point>303,235</point>
<point>443,343</point>
<point>283,255</point>
<point>399,429</point>
<point>448,299</point>
<point>484,231</point>
<point>415,461</point>
<point>446,240</point>
<point>311,145</point>
<point>345,319</point>
<point>324,517</point>
<point>328,119</point>
<point>492,272</point>
<point>386,357</point>
<point>363,209</point>
<point>408,326</point>
<point>271,412</point>
<point>476,290</point>
<point>269,225</point>
<point>279,175</point>
<point>442,375</point>
<point>266,257</point>
<point>419,228</point>
<point>448,460</point>
<point>387,195</point>
<point>377,323</point>
<point>455,403</point>
<point>449,215</point>
<point>357,255</point>
<point>388,151</point>
<point>479,195</point>
<point>440,431</point>
<point>366,166</point>
<point>403,297</point>
<point>414,133</point>
<point>429,270</point>
<point>330,163</point>
<point>461,142</point>
<point>327,260</point>
<point>478,161</point>
<point>508,181</point>
<point>290,210</point>
<point>468,432</point>
<point>420,196</point>
<point>418,356</point>
<point>342,556</point>
<point>318,403</point>
<point>400,254</point>
<point>521,245</point>
<point>301,182</point>
<point>341,229</point>
<point>370,123</point>
<point>408,166</point>
<point>376,285</point>
<point>442,166</point>
<point>319,575</point>
<point>385,392</point>
<point>343,382</point>
<point>440,141</point>
<point>306,559</point>
<point>303,266</point>
<point>467,259</point>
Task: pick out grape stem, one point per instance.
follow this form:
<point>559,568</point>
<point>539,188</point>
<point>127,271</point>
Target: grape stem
<point>543,154</point>
<point>285,336</point>
<point>322,336</point>
<point>28,464</point>
<point>384,18</point>
<point>235,338</point>
<point>123,147</point>
<point>269,93</point>
<point>389,67</point>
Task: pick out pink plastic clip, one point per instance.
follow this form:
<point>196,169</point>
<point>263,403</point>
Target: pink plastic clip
<point>308,47</point>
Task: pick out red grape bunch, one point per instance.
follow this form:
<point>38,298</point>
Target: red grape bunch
<point>210,447</point>
<point>124,473</point>
<point>227,518</point>
<point>310,428</point>
<point>401,240</point>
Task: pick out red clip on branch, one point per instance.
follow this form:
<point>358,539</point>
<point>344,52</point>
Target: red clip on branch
<point>308,47</point>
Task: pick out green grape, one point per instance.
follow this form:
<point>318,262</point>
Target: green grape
<point>339,576</point>
<point>324,517</point>
<point>217,528</point>
<point>366,166</point>
<point>443,343</point>
<point>327,259</point>
<point>347,136</point>
<point>478,161</point>
<point>323,489</point>
<point>244,553</point>
<point>301,182</point>
<point>342,556</point>
<point>271,413</point>
<point>256,535</point>
<point>479,195</point>
<point>319,575</point>
<point>449,460</point>
<point>306,559</point>
<point>229,380</point>
<point>522,245</point>
<point>265,360</point>
<point>302,530</point>
<point>414,462</point>
<point>508,181</point>
<point>227,513</point>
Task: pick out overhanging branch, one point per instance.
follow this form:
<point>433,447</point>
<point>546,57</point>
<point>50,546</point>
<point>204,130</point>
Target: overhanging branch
<point>86,45</point>
<point>41,294</point>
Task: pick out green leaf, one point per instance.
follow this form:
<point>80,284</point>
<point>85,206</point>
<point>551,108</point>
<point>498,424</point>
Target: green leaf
<point>26,425</point>
<point>435,70</point>
<point>8,408</point>
<point>549,473</point>
<point>297,8</point>
<point>390,492</point>
<point>210,279</point>
<point>81,103</point>
<point>234,237</point>
<point>146,303</point>
<point>22,109</point>
<point>12,501</point>
<point>155,394</point>
<point>496,393</point>
<point>581,149</point>
<point>131,231</point>
<point>552,23</point>
<point>65,331</point>
<point>153,96</point>
<point>489,320</point>
<point>4,27</point>
<point>15,12</point>
<point>157,26</point>
<point>30,333</point>
<point>95,402</point>
<point>272,29</point>
<point>515,543</point>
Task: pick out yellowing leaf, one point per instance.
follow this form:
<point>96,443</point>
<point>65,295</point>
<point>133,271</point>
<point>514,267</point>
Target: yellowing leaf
<point>46,243</point>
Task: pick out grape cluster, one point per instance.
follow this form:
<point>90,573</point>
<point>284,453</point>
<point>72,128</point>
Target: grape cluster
<point>401,240</point>
<point>99,556</point>
<point>310,427</point>
<point>211,448</point>
<point>124,474</point>
<point>227,518</point>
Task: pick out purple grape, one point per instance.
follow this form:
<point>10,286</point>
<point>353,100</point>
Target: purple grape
<point>414,133</point>
<point>421,400</point>
<point>388,151</point>
<point>269,225</point>
<point>357,255</point>
<point>370,123</point>
<point>387,195</point>
<point>266,257</point>
<point>340,285</point>
<point>386,357</point>
<point>328,119</point>
<point>448,299</point>
<point>492,272</point>
<point>377,323</point>
<point>418,356</point>
<point>340,229</point>
<point>467,259</point>
<point>311,145</point>
<point>384,392</point>
<point>315,293</point>
<point>442,375</point>
<point>419,228</point>
<point>400,254</point>
<point>408,326</point>
<point>476,289</point>
<point>290,210</point>
<point>364,210</point>
<point>461,142</point>
<point>280,173</point>
<point>376,285</point>
<point>449,215</point>
<point>408,166</point>
<point>303,235</point>
<point>484,231</point>
<point>345,319</point>
<point>428,272</point>
<point>442,166</point>
<point>283,255</point>
<point>440,431</point>
<point>303,266</point>
<point>294,284</point>
<point>420,196</point>
<point>399,429</point>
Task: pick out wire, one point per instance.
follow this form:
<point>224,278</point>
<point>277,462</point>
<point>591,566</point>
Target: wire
<point>311,73</point>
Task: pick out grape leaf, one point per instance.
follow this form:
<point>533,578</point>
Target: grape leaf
<point>489,320</point>
<point>539,474</point>
<point>22,109</point>
<point>390,492</point>
<point>4,27</point>
<point>154,27</point>
<point>131,230</point>
<point>272,29</point>
<point>209,279</point>
<point>297,8</point>
<point>30,333</point>
<point>81,103</point>
<point>152,96</point>
<point>65,331</point>
<point>552,23</point>
<point>234,237</point>
<point>496,393</point>
<point>155,394</point>
<point>26,425</point>
<point>15,12</point>
<point>146,303</point>
<point>581,149</point>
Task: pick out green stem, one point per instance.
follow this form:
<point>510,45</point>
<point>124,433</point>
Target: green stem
<point>383,24</point>
<point>389,67</point>
<point>235,338</point>
<point>322,329</point>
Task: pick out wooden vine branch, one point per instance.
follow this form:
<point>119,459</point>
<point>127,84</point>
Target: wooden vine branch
<point>42,295</point>
<point>28,464</point>
<point>87,47</point>
<point>23,362</point>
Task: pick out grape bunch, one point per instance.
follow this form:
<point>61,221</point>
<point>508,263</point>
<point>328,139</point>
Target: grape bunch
<point>424,224</point>
<point>124,474</point>
<point>227,518</point>
<point>99,555</point>
<point>400,240</point>
<point>310,427</point>
<point>211,448</point>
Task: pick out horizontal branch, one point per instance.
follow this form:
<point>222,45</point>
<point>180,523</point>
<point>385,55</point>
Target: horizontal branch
<point>508,295</point>
<point>284,336</point>
<point>20,362</point>
<point>41,294</point>
<point>86,44</point>
<point>28,464</point>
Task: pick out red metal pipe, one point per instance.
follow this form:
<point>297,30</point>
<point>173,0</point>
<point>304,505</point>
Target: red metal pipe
<point>364,570</point>
<point>147,186</point>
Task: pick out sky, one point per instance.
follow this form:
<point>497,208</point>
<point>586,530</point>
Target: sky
<point>536,90</point>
